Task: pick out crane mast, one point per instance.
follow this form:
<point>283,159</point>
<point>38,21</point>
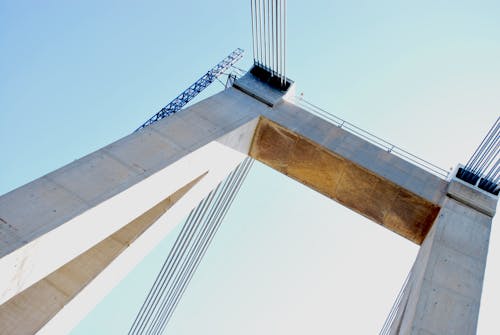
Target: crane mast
<point>192,91</point>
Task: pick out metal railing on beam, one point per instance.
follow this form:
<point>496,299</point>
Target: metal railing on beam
<point>383,144</point>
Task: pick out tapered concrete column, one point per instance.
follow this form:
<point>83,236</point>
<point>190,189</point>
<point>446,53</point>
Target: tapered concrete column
<point>445,287</point>
<point>68,237</point>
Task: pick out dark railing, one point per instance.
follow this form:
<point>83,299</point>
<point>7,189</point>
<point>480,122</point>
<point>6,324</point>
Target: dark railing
<point>389,147</point>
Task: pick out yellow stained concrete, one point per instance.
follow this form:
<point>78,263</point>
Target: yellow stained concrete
<point>353,186</point>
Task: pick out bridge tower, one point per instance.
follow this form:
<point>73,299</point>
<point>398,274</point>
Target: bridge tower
<point>67,238</point>
<point>60,251</point>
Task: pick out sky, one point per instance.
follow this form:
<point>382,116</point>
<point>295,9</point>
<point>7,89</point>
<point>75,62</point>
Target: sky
<point>75,76</point>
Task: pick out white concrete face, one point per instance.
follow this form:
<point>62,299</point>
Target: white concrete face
<point>78,307</point>
<point>43,255</point>
<point>57,217</point>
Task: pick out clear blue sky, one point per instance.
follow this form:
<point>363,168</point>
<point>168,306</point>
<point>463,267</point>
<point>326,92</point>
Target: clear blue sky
<point>75,76</point>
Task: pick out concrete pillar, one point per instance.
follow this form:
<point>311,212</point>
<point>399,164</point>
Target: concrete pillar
<point>444,292</point>
<point>68,237</point>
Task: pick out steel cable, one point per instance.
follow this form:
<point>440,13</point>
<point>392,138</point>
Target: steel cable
<point>202,246</point>
<point>175,253</point>
<point>269,43</point>
<point>386,328</point>
<point>493,171</point>
<point>269,35</point>
<point>252,2</point>
<point>171,264</point>
<point>284,39</point>
<point>218,213</point>
<point>186,254</point>
<point>146,305</point>
<point>202,208</point>
<point>279,42</point>
<point>219,220</point>
<point>276,37</point>
<point>496,177</point>
<point>273,46</point>
<point>264,18</point>
<point>190,252</point>
<point>486,151</point>
<point>483,166</point>
<point>479,150</point>
<point>259,30</point>
<point>488,158</point>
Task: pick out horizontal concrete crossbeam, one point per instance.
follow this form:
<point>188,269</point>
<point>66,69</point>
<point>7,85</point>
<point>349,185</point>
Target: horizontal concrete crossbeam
<point>388,190</point>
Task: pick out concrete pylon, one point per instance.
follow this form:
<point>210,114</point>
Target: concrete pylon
<point>444,289</point>
<point>68,237</point>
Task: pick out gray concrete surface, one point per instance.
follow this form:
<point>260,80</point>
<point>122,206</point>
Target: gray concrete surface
<point>445,287</point>
<point>474,197</point>
<point>52,220</point>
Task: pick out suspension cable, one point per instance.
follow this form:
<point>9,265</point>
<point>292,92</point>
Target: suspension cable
<point>484,164</point>
<point>186,254</point>
<point>216,216</point>
<point>269,36</point>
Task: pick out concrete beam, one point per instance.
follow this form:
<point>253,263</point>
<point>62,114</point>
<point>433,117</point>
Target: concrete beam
<point>365,178</point>
<point>444,290</point>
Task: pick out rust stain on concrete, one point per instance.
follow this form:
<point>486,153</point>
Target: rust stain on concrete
<point>355,187</point>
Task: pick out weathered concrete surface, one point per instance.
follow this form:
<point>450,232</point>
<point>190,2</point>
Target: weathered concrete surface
<point>388,190</point>
<point>28,311</point>
<point>444,290</point>
<point>69,209</point>
<point>448,274</point>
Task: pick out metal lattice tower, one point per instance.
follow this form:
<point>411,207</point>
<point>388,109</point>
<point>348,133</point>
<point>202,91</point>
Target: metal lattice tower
<point>192,91</point>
